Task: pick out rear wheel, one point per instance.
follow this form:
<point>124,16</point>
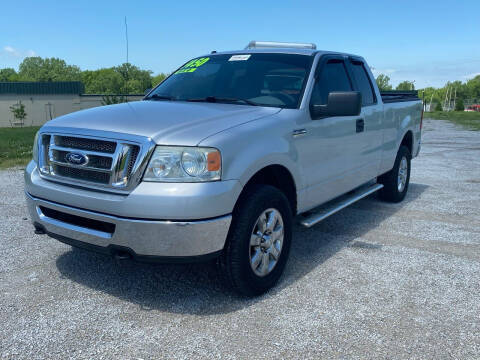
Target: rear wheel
<point>396,181</point>
<point>258,242</point>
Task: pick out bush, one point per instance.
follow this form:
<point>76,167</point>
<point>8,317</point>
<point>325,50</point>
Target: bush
<point>113,99</point>
<point>438,107</point>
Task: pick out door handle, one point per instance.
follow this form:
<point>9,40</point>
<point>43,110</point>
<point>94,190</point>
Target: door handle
<point>299,132</point>
<point>360,124</point>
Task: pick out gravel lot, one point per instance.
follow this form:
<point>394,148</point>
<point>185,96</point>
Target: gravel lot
<point>374,281</point>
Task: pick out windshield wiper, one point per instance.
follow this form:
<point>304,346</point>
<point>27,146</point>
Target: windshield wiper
<point>159,97</point>
<point>223,100</point>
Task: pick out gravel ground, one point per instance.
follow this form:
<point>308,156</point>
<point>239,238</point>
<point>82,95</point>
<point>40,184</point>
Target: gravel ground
<point>374,281</point>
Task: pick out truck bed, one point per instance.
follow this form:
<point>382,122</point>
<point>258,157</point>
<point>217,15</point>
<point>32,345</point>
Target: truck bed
<point>399,96</point>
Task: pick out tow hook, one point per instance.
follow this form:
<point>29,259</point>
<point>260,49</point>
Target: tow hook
<point>39,230</point>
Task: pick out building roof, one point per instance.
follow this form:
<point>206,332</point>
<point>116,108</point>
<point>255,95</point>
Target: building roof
<point>42,88</point>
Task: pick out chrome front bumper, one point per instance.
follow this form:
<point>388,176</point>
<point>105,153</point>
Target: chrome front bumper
<point>139,237</point>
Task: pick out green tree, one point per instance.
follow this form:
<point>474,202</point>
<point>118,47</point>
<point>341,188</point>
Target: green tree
<point>459,105</point>
<point>472,88</point>
<point>48,69</point>
<point>136,80</point>
<point>438,107</point>
<point>8,74</point>
<point>19,114</point>
<point>103,81</point>
<point>405,86</point>
<point>158,79</point>
<point>383,82</point>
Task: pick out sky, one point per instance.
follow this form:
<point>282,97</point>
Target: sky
<point>429,42</point>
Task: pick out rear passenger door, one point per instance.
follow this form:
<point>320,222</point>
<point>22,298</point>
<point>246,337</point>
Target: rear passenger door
<point>370,149</point>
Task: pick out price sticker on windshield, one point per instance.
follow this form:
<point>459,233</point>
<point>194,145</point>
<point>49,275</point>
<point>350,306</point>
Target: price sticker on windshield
<point>239,58</point>
<point>192,65</point>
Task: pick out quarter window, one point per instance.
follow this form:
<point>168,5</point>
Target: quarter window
<point>362,80</point>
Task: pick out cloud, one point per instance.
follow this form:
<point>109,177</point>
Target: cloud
<point>377,72</point>
<point>16,53</point>
<point>11,51</point>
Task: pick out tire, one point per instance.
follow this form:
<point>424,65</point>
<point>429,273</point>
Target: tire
<point>239,259</point>
<point>392,190</point>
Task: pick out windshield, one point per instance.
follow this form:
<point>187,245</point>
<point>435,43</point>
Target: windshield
<point>248,79</point>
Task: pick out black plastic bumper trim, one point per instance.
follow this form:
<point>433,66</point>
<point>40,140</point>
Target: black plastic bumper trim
<point>112,250</point>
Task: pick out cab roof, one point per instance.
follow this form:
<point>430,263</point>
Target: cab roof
<point>307,52</point>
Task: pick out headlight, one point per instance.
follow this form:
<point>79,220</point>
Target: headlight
<point>183,164</point>
<point>35,148</point>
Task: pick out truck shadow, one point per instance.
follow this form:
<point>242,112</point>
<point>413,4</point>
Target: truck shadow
<point>198,289</point>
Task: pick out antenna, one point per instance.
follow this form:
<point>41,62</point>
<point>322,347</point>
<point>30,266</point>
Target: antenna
<point>127,64</point>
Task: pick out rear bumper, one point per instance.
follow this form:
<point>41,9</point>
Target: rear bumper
<point>142,239</point>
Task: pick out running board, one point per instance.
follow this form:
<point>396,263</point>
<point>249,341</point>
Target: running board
<point>336,205</point>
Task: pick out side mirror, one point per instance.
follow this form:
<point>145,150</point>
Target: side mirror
<point>147,91</point>
<point>341,103</point>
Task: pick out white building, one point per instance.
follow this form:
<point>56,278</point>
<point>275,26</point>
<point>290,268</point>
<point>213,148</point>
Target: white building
<point>45,100</point>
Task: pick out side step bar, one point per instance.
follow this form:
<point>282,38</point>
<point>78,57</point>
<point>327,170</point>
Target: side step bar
<point>336,205</point>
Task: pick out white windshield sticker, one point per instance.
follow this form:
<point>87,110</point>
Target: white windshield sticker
<point>239,58</point>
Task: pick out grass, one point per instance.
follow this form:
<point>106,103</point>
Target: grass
<point>16,146</point>
<point>467,119</point>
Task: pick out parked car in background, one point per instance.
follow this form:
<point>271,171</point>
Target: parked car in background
<point>219,158</point>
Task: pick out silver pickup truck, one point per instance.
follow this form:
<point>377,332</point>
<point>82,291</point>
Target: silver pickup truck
<point>219,158</point>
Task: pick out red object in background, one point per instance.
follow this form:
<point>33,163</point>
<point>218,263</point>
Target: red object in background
<point>475,107</point>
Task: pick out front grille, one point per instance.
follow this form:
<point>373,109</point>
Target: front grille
<point>133,159</point>
<point>83,160</point>
<point>94,161</point>
<point>82,174</point>
<point>86,144</point>
<point>78,220</point>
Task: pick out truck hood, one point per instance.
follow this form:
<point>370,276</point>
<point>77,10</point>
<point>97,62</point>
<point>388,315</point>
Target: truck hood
<point>166,122</point>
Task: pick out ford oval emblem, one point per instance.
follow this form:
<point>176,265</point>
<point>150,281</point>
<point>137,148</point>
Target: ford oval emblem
<point>76,158</point>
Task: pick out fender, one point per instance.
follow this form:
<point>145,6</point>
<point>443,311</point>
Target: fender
<point>400,124</point>
<point>246,149</point>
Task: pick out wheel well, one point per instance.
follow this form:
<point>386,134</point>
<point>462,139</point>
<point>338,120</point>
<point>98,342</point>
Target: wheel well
<point>408,141</point>
<point>279,177</point>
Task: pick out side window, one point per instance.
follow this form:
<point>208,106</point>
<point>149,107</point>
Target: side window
<point>362,80</point>
<point>333,77</point>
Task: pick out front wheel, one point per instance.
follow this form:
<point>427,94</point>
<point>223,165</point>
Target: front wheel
<point>396,181</point>
<point>258,242</point>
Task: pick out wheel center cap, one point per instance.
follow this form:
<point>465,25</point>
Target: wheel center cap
<point>266,240</point>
